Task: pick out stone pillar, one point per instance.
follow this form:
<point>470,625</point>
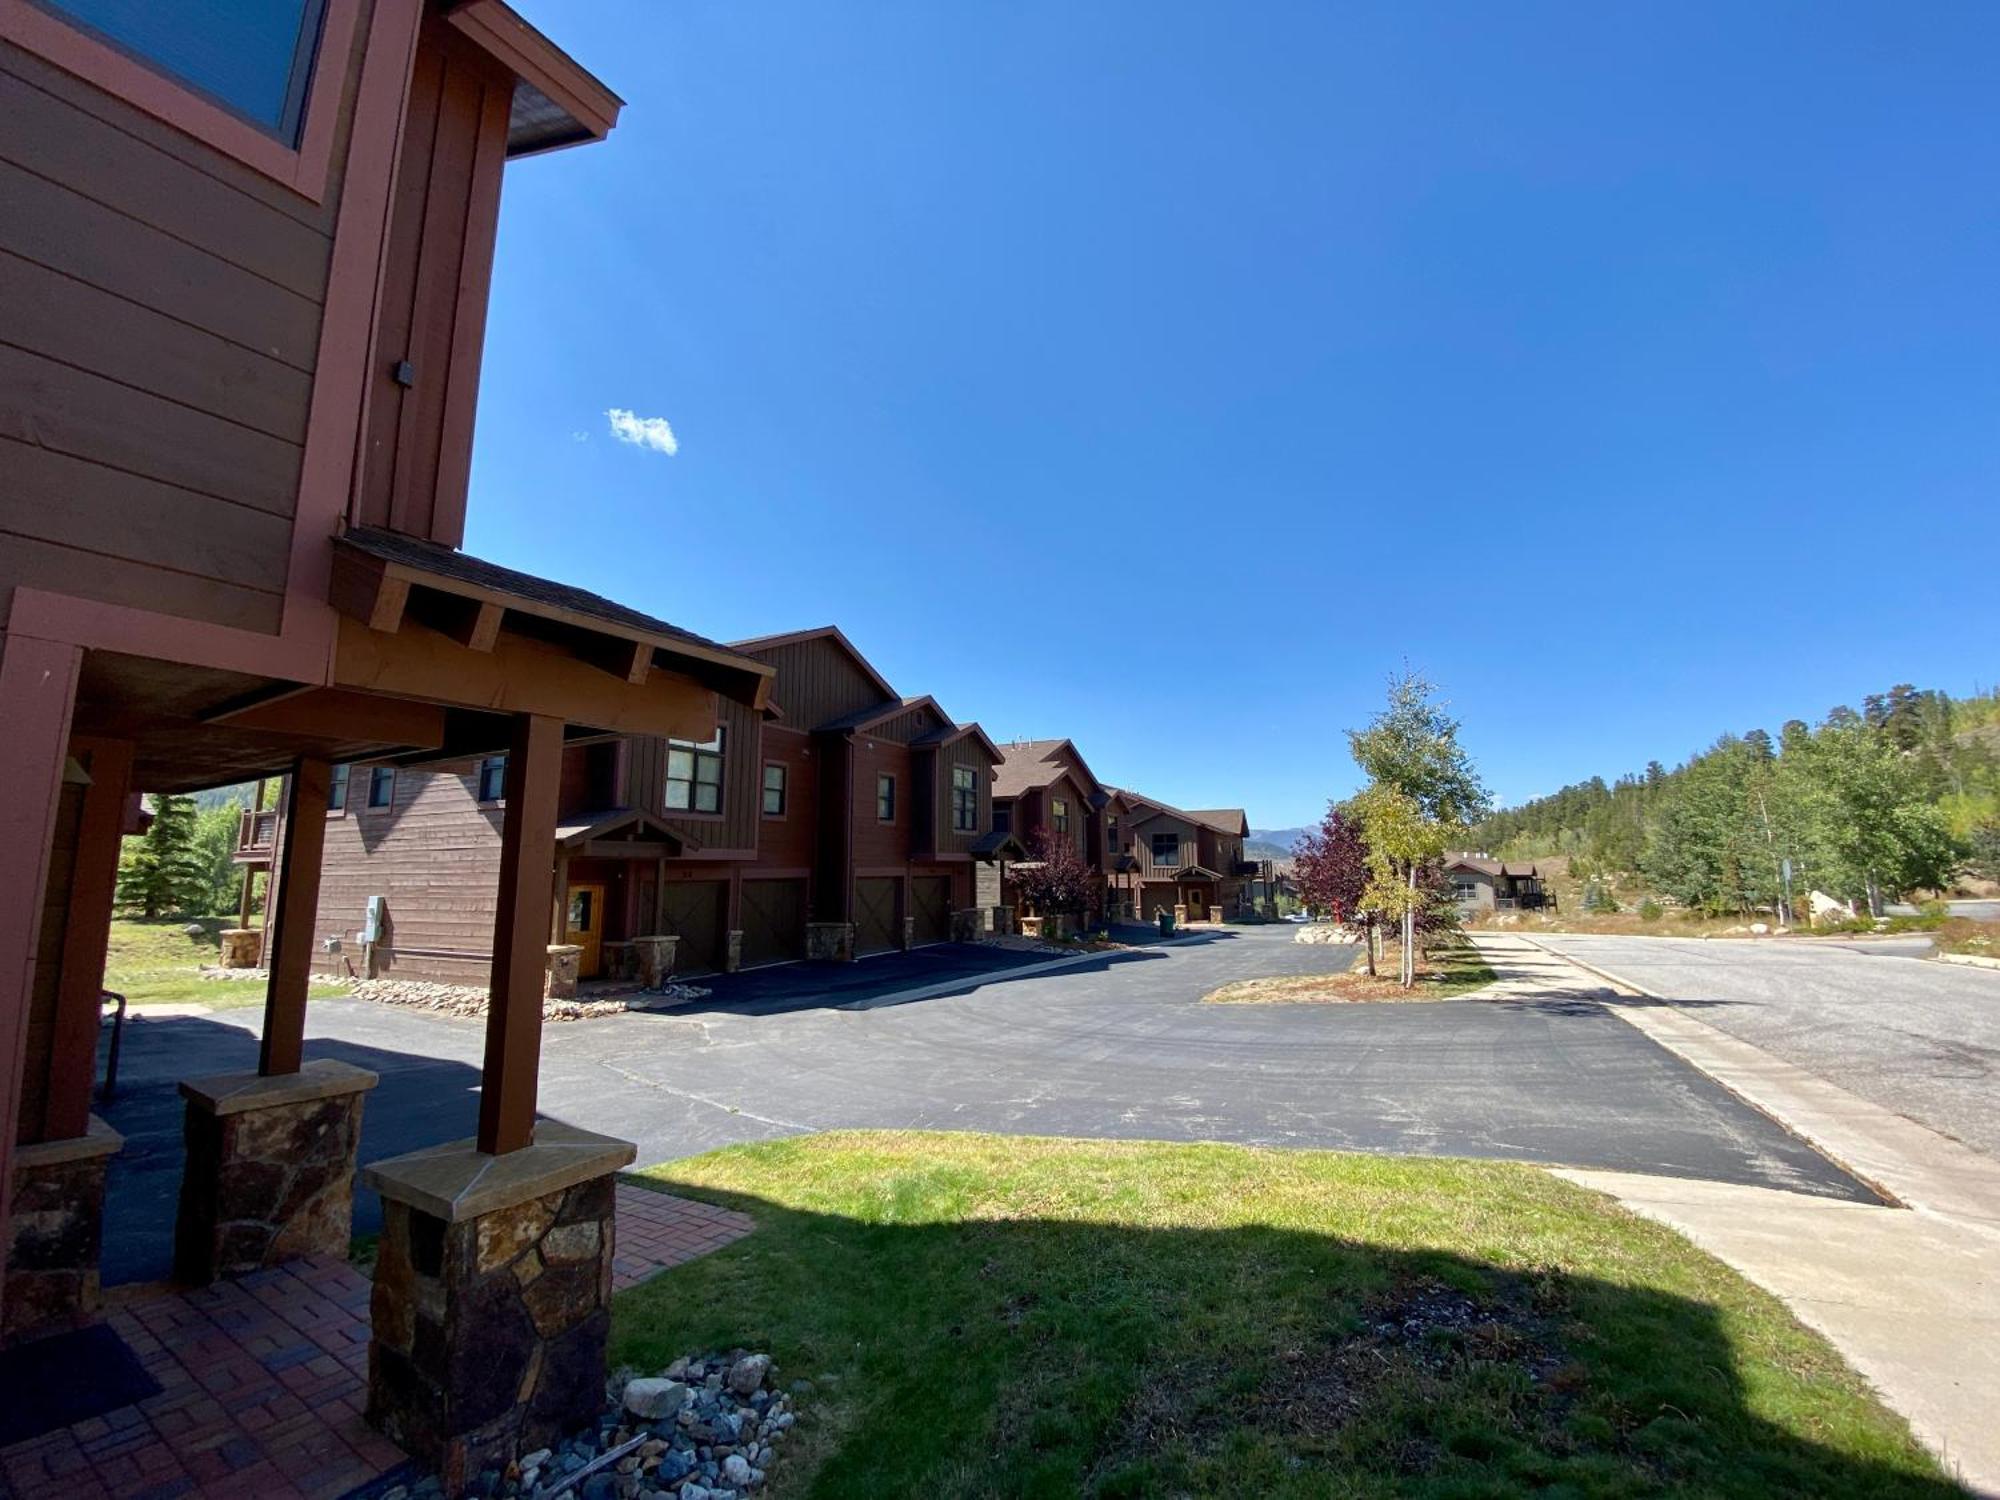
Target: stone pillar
<point>967,925</point>
<point>656,958</point>
<point>1215,915</point>
<point>492,1301</point>
<point>830,942</point>
<point>1006,921</point>
<point>242,947</point>
<point>56,1233</point>
<point>1180,915</point>
<point>1030,926</point>
<point>270,1168</point>
<point>909,936</point>
<point>565,964</point>
<point>732,951</point>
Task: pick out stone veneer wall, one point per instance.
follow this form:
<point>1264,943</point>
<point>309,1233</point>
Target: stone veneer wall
<point>56,1234</point>
<point>491,1332</point>
<point>266,1184</point>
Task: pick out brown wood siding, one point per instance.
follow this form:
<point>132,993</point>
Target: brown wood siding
<point>789,842</point>
<point>43,993</point>
<point>164,306</point>
<point>1142,845</point>
<point>907,725</point>
<point>435,854</point>
<point>742,783</point>
<point>817,682</point>
<point>418,443</point>
<point>963,753</point>
<point>877,843</point>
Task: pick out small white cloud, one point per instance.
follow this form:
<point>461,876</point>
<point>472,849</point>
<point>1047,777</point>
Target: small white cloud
<point>579,437</point>
<point>644,432</point>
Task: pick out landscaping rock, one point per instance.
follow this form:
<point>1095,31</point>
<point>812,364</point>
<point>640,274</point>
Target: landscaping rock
<point>746,1376</point>
<point>654,1399</point>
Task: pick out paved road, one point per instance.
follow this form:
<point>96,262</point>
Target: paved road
<point>1917,1037</point>
<point>1119,1048</point>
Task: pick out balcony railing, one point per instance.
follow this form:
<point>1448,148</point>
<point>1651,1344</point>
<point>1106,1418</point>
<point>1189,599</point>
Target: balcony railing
<point>257,834</point>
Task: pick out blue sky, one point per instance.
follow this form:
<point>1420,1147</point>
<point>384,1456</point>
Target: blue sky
<point>1165,376</point>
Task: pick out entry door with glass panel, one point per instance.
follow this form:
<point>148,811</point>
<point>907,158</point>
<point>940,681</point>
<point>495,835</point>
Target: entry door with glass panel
<point>583,925</point>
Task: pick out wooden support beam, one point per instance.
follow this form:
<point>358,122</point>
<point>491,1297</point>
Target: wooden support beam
<point>520,945</point>
<point>86,933</point>
<point>482,626</point>
<point>339,714</point>
<point>288,924</point>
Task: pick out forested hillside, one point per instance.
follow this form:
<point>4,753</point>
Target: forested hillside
<point>1900,796</point>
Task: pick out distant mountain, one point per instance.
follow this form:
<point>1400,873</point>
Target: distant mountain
<point>225,796</point>
<point>1274,843</point>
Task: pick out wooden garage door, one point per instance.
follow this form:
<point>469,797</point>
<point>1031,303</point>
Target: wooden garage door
<point>694,910</point>
<point>930,906</point>
<point>774,921</point>
<point>877,922</point>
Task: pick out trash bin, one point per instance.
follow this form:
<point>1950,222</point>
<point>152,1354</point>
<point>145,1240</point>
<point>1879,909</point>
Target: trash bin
<point>1166,922</point>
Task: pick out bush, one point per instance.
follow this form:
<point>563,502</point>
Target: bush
<point>1597,897</point>
<point>1650,910</point>
<point>1934,908</point>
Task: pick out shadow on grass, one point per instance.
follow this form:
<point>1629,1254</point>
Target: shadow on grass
<point>1055,1357</point>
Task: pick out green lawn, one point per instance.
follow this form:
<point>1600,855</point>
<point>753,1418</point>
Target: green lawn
<point>984,1315</point>
<point>158,963</point>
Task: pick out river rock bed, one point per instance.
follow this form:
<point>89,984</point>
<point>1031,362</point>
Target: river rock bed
<point>465,1000</point>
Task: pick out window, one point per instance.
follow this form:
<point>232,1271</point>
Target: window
<point>381,786</point>
<point>885,798</point>
<point>1003,818</point>
<point>964,799</point>
<point>493,778</point>
<point>336,791</point>
<point>255,57</point>
<point>1465,890</point>
<point>694,775</point>
<point>774,791</point>
<point>1167,849</point>
<point>1059,814</point>
<point>1111,834</point>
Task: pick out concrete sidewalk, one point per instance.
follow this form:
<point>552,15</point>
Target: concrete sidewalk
<point>1910,1295</point>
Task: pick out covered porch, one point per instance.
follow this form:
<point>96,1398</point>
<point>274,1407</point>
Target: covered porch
<point>433,656</point>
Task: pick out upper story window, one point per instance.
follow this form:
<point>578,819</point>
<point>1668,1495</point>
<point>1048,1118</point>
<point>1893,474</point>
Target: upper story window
<point>1166,849</point>
<point>336,791</point>
<point>774,791</point>
<point>254,57</point>
<point>885,798</point>
<point>493,778</point>
<point>1003,818</point>
<point>1059,814</point>
<point>1111,834</point>
<point>964,800</point>
<point>694,775</point>
<point>381,786</point>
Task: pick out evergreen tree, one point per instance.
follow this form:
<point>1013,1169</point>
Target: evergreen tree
<point>163,871</point>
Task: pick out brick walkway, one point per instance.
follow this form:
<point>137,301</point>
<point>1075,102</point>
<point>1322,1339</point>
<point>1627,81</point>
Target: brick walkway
<point>263,1379</point>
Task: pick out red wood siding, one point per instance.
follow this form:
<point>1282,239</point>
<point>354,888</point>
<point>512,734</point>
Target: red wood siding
<point>417,446</point>
<point>790,841</point>
<point>735,830</point>
<point>876,843</point>
<point>164,308</point>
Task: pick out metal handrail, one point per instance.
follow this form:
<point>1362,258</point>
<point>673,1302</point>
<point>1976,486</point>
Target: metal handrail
<point>110,1084</point>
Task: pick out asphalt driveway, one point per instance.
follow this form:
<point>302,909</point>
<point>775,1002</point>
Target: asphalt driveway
<point>1917,1037</point>
<point>1119,1047</point>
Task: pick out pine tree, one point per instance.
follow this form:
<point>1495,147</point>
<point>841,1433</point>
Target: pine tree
<point>162,871</point>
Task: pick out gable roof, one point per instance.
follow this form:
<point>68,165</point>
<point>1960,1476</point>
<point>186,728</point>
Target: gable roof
<point>951,734</point>
<point>1231,821</point>
<point>1486,865</point>
<point>822,633</point>
<point>1028,764</point>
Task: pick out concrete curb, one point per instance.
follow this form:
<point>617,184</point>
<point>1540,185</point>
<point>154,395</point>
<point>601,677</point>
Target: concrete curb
<point>1910,1164</point>
<point>1024,971</point>
<point>1969,960</point>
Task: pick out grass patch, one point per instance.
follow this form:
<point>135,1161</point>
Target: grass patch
<point>1963,935</point>
<point>159,963</point>
<point>1441,975</point>
<point>985,1315</point>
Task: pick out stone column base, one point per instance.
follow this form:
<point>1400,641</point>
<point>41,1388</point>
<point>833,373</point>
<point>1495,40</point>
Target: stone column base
<point>830,942</point>
<point>492,1302</point>
<point>656,958</point>
<point>1215,915</point>
<point>1180,915</point>
<point>732,951</point>
<point>1006,920</point>
<point>565,965</point>
<point>56,1233</point>
<point>241,948</point>
<point>909,933</point>
<point>270,1169</point>
<point>968,925</point>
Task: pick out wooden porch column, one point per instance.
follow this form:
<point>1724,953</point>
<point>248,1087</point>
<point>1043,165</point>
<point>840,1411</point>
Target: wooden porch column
<point>520,948</point>
<point>86,932</point>
<point>289,926</point>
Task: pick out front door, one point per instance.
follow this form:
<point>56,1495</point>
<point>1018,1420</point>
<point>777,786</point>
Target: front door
<point>583,925</point>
